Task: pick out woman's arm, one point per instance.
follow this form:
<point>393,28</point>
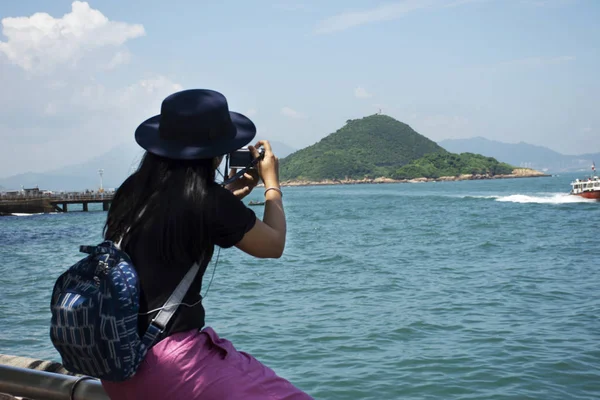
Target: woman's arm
<point>267,238</point>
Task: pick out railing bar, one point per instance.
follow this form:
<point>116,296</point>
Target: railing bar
<point>42,385</point>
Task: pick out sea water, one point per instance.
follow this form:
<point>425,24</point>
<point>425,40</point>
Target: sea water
<point>445,290</point>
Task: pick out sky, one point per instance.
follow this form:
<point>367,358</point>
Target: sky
<point>77,78</point>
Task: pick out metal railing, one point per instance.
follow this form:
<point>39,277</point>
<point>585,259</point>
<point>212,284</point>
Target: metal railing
<point>57,196</point>
<point>40,385</point>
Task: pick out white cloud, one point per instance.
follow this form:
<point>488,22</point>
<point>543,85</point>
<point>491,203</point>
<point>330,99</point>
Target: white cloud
<point>155,87</point>
<point>40,43</point>
<point>55,84</point>
<point>73,123</point>
<point>291,113</point>
<point>62,98</point>
<point>361,93</point>
<point>51,109</point>
<point>251,113</point>
<point>77,104</point>
<point>384,12</point>
<point>120,58</point>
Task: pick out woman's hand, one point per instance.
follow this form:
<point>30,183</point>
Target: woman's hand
<point>267,238</point>
<point>268,167</point>
<point>243,186</point>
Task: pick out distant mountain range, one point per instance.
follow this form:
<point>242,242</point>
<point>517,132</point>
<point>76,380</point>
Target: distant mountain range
<point>117,164</point>
<point>120,161</point>
<point>522,154</point>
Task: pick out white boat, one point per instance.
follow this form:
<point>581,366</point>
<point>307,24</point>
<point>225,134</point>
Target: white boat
<point>588,188</point>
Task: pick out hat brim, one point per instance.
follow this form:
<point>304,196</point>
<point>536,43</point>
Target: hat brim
<point>147,136</point>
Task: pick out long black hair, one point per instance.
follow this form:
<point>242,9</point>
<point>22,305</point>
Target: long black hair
<point>166,200</point>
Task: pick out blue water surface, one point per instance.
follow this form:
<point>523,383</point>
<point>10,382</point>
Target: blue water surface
<point>445,290</point>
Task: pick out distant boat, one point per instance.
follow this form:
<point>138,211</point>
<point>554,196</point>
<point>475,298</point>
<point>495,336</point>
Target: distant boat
<point>588,188</point>
<point>256,203</point>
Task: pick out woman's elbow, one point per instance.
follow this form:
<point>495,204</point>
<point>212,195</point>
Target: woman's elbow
<point>262,244</point>
<point>276,251</point>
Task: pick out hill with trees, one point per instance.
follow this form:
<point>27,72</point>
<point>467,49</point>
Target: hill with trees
<point>379,146</point>
<point>372,146</point>
<point>450,164</point>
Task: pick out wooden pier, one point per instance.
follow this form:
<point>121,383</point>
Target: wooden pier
<point>36,204</point>
<point>62,205</point>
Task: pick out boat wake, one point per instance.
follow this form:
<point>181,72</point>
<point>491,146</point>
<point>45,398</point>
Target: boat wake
<point>27,215</point>
<point>551,198</point>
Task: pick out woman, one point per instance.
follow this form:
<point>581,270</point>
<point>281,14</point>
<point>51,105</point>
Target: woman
<point>170,214</point>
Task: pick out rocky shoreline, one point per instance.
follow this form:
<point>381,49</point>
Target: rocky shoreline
<point>517,173</point>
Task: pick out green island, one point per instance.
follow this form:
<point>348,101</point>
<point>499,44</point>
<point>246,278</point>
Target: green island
<point>380,149</point>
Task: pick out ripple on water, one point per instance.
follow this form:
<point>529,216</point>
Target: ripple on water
<point>384,292</point>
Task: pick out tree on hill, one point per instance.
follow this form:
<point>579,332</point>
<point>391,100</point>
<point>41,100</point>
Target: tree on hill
<point>373,146</point>
<point>449,164</point>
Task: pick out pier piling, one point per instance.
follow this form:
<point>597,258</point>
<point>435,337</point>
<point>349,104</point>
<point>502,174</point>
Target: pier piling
<point>51,203</point>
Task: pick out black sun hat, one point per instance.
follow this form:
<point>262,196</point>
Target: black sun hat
<point>195,124</point>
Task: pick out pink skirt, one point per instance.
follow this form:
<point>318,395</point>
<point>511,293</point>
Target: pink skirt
<point>201,365</point>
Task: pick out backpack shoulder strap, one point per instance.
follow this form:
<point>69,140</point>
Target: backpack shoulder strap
<point>158,324</point>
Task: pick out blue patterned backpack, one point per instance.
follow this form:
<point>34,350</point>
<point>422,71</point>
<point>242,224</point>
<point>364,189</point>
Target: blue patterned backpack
<point>95,306</point>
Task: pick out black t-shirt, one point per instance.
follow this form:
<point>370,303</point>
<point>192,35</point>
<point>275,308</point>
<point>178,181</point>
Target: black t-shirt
<point>228,222</point>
